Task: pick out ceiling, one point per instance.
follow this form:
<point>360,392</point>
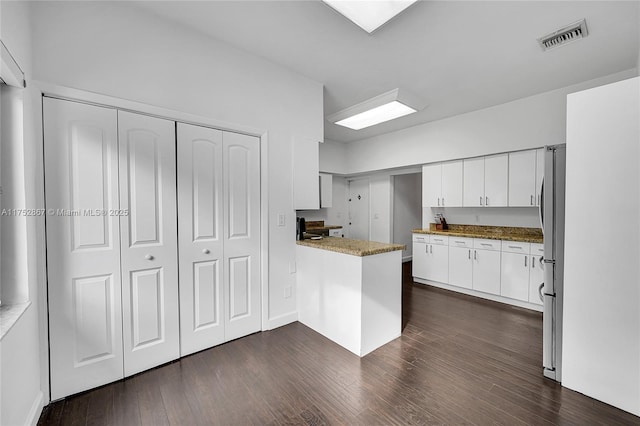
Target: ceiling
<point>457,56</point>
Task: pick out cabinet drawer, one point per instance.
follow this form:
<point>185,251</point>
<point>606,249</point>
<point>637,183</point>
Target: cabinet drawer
<point>420,238</point>
<point>537,249</point>
<point>461,242</point>
<point>439,240</point>
<point>516,247</point>
<point>480,243</point>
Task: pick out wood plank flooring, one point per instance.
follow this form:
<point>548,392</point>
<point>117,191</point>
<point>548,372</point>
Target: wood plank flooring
<point>460,360</point>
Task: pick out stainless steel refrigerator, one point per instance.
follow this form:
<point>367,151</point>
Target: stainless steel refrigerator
<point>551,290</point>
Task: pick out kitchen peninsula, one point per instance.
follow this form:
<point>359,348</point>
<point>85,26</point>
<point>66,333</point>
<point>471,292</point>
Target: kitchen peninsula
<point>350,291</point>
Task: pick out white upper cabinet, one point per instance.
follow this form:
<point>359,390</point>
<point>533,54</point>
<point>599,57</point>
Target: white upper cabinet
<point>431,185</point>
<point>522,178</point>
<point>326,190</point>
<point>486,181</point>
<point>473,183</point>
<point>539,174</point>
<point>306,168</point>
<point>452,184</point>
<point>442,184</point>
<point>496,180</point>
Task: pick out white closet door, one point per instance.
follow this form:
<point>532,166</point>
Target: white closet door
<point>149,241</point>
<point>83,246</point>
<point>200,222</point>
<point>241,159</point>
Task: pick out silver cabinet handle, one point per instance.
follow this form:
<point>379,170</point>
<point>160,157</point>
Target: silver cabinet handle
<point>431,249</point>
<point>149,257</point>
<point>515,247</point>
<point>475,255</point>
<point>485,244</point>
<point>438,201</point>
<point>442,201</point>
<point>486,201</point>
<point>206,251</point>
<point>481,200</point>
<point>533,261</point>
<point>525,261</point>
<point>469,254</point>
<point>532,200</point>
<point>426,248</point>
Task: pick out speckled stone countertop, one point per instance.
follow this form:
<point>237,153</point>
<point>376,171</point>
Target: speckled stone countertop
<point>507,233</point>
<point>352,247</point>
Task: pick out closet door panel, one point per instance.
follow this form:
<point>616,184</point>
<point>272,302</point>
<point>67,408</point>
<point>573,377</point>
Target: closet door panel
<point>200,221</point>
<point>149,241</point>
<point>241,234</point>
<point>83,246</point>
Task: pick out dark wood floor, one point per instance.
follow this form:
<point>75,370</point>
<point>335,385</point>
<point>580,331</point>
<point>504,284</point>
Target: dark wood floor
<point>460,360</point>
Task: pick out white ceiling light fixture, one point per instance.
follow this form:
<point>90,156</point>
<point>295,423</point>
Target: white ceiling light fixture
<point>384,107</point>
<point>369,14</point>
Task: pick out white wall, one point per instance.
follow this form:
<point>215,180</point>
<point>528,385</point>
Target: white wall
<point>333,157</point>
<point>380,199</point>
<point>115,49</point>
<point>407,209</point>
<point>601,328</point>
<point>522,124</point>
<point>22,380</point>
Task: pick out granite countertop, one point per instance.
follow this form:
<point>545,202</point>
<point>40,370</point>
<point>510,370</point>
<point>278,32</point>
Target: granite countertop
<point>351,247</point>
<point>507,233</point>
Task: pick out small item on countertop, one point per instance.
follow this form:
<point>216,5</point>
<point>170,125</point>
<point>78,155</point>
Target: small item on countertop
<point>318,237</point>
<point>441,223</point>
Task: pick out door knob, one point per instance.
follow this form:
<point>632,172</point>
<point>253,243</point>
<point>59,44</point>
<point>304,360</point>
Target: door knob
<point>206,251</point>
<point>149,257</point>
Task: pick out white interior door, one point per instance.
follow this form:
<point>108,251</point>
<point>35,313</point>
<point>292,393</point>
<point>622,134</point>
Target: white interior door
<point>359,209</point>
<point>241,188</point>
<point>83,246</point>
<point>149,241</point>
<point>200,222</point>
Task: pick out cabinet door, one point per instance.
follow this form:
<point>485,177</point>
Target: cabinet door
<point>539,173</point>
<point>326,190</point>
<point>83,250</point>
<point>419,262</point>
<point>438,263</point>
<point>515,276</point>
<point>460,266</point>
<point>431,185</point>
<point>522,178</point>
<point>496,180</point>
<point>149,241</point>
<point>306,167</point>
<point>199,152</point>
<point>473,182</point>
<point>452,184</point>
<point>241,183</point>
<point>486,271</point>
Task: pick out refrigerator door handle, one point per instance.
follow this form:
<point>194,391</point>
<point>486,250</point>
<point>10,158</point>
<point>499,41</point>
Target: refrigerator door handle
<point>541,206</point>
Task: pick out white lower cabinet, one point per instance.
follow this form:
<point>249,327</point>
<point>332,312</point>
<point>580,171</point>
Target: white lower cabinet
<point>536,273</point>
<point>486,266</point>
<point>515,267</point>
<point>420,256</point>
<point>461,262</point>
<point>438,259</point>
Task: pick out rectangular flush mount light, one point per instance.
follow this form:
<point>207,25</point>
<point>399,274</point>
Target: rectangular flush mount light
<point>369,14</point>
<point>385,107</point>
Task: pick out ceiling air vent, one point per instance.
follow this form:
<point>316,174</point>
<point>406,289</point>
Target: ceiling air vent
<point>564,35</point>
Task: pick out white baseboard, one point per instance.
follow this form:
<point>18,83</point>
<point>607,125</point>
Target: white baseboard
<point>480,294</point>
<point>407,259</point>
<point>36,410</point>
<point>281,320</point>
